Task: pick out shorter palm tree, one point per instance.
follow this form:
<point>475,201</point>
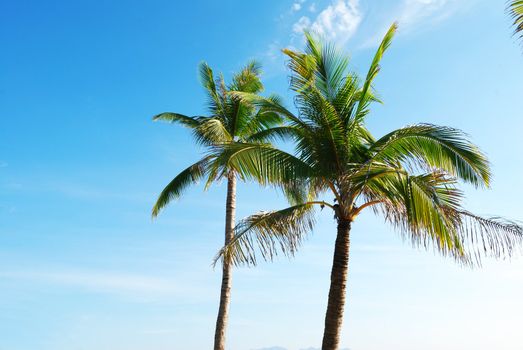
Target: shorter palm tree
<point>231,120</point>
<point>410,175</point>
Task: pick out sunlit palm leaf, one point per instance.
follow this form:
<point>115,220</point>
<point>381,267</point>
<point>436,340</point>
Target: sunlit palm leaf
<point>261,162</point>
<point>429,146</point>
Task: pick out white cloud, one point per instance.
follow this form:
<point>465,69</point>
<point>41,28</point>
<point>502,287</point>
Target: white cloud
<point>297,5</point>
<point>312,7</point>
<point>414,12</point>
<point>337,22</point>
<point>302,24</point>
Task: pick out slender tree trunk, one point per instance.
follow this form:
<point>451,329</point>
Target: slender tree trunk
<point>225,295</point>
<point>336,304</point>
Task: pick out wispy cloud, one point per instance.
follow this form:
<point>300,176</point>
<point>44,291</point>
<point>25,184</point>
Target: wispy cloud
<point>414,12</point>
<point>415,15</point>
<point>338,22</point>
<point>297,5</point>
<point>303,23</point>
<point>122,284</point>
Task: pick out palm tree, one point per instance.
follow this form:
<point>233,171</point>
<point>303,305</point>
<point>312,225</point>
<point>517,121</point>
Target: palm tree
<point>410,175</point>
<point>230,120</point>
<point>515,9</point>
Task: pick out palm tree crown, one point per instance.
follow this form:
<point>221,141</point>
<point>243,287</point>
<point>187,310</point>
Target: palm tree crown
<point>409,175</point>
<point>230,119</point>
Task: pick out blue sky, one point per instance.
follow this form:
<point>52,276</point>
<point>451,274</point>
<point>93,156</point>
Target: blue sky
<point>83,266</point>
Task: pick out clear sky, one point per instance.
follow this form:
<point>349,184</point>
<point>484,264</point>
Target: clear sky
<point>83,266</point>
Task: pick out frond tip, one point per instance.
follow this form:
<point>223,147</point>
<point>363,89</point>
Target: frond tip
<point>491,237</point>
<point>175,188</point>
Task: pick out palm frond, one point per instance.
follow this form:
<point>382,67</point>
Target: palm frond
<point>366,95</point>
<point>269,233</point>
<point>191,122</point>
<point>176,187</point>
<point>211,131</point>
<point>260,162</point>
<point>330,65</point>
<point>429,146</point>
<point>213,88</point>
<point>279,133</point>
<point>248,79</point>
<point>427,211</point>
<point>489,236</point>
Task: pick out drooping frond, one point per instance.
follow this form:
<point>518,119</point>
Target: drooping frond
<point>176,187</point>
<point>427,210</point>
<point>191,122</point>
<point>515,9</point>
<point>430,146</point>
<point>489,236</point>
<point>269,233</point>
<point>260,162</point>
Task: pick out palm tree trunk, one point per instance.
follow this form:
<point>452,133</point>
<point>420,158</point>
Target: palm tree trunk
<point>336,304</point>
<point>225,295</point>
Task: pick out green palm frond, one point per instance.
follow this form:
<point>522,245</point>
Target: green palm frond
<point>260,162</point>
<point>366,94</point>
<point>430,146</point>
<point>329,65</point>
<point>211,131</point>
<point>207,77</point>
<point>278,133</point>
<point>489,236</point>
<point>248,79</point>
<point>176,187</point>
<point>427,211</point>
<point>191,122</point>
<point>268,233</point>
<point>214,88</point>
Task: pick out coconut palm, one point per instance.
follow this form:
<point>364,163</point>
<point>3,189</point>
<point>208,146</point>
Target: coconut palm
<point>410,175</point>
<point>230,120</point>
<point>515,9</point>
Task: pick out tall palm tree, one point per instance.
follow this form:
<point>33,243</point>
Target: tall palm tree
<point>515,9</point>
<point>410,175</point>
<point>230,119</point>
